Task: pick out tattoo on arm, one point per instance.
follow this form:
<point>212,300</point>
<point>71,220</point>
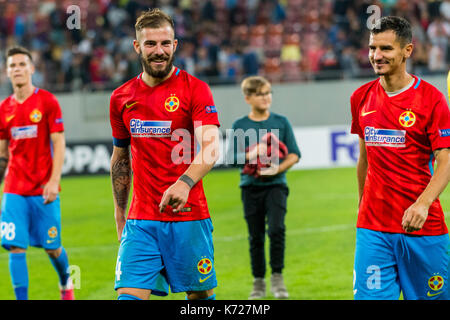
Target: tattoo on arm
<point>121,179</point>
<point>3,166</point>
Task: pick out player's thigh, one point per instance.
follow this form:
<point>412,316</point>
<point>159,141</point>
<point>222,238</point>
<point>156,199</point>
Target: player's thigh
<point>45,223</point>
<point>375,269</point>
<point>15,221</point>
<point>188,254</point>
<point>139,261</point>
<point>423,267</point>
<point>142,294</point>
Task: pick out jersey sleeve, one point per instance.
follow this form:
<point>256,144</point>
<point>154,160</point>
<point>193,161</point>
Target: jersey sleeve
<point>439,124</point>
<point>55,118</point>
<point>290,141</point>
<point>120,133</point>
<point>355,126</point>
<point>204,111</point>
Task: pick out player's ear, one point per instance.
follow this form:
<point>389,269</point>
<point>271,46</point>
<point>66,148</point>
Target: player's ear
<point>175,44</point>
<point>136,46</point>
<point>32,67</point>
<point>408,49</point>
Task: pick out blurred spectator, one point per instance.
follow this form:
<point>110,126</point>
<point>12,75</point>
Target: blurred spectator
<point>223,40</point>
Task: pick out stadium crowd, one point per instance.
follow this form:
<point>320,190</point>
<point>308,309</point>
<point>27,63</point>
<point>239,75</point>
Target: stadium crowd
<point>221,41</point>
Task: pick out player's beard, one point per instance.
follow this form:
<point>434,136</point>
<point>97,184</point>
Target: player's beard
<point>160,74</point>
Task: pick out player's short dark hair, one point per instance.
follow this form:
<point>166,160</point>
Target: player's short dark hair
<point>18,50</point>
<point>400,26</point>
<point>153,18</point>
<point>252,85</point>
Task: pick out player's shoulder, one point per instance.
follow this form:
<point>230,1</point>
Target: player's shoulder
<point>189,80</point>
<point>361,93</point>
<point>6,101</point>
<point>44,94</point>
<point>366,87</point>
<point>127,87</point>
<point>125,92</point>
<point>425,86</point>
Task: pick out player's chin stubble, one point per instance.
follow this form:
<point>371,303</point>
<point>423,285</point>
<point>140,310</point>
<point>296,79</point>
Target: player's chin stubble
<point>156,73</point>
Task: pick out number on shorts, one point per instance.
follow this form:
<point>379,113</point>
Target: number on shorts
<point>8,230</point>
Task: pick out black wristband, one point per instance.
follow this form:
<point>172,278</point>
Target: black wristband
<point>186,179</point>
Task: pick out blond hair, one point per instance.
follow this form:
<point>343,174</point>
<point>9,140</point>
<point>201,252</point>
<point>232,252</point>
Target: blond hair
<point>252,85</point>
<point>153,18</point>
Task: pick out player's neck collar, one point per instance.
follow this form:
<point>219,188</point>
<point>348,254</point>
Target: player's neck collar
<point>145,78</point>
<point>23,93</point>
<point>389,87</point>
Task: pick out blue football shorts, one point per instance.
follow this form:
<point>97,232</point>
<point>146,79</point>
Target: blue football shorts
<point>156,255</point>
<point>26,220</point>
<point>387,264</point>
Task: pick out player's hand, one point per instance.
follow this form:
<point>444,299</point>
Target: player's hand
<point>175,196</point>
<point>269,171</point>
<point>258,151</point>
<point>414,217</point>
<point>51,190</point>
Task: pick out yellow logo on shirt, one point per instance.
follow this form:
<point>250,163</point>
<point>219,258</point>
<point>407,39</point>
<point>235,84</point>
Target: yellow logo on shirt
<point>172,103</point>
<point>407,119</point>
<point>35,116</point>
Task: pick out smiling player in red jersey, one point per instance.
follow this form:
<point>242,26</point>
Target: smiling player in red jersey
<point>166,240</point>
<point>32,149</point>
<point>404,127</point>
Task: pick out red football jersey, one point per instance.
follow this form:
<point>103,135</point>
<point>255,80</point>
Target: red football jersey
<point>160,123</point>
<point>400,132</point>
<point>27,127</point>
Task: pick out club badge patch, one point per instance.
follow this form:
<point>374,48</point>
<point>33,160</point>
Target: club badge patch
<point>407,119</point>
<point>204,266</point>
<point>35,116</point>
<point>52,232</point>
<point>172,103</point>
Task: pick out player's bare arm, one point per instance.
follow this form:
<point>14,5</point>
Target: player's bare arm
<point>3,158</point>
<point>121,184</point>
<point>361,168</point>
<point>51,188</point>
<point>177,194</point>
<point>416,215</point>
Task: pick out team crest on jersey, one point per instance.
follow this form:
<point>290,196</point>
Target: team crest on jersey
<point>436,282</point>
<point>172,103</point>
<point>407,119</point>
<point>150,128</point>
<point>52,232</point>
<point>35,116</point>
<point>204,266</point>
<point>384,137</point>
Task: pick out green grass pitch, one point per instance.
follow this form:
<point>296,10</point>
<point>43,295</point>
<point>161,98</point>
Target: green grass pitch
<point>322,209</point>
